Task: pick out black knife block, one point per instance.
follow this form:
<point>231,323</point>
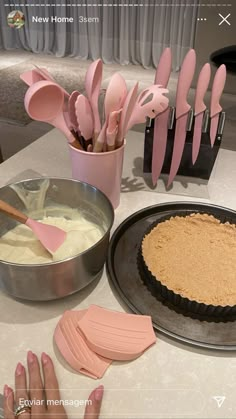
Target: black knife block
<point>206,158</point>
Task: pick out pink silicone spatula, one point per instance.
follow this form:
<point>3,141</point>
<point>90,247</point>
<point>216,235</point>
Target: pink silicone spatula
<point>150,103</point>
<point>199,108</point>
<point>51,237</point>
<point>215,108</point>
<point>114,100</point>
<point>112,129</point>
<point>161,122</point>
<point>115,94</point>
<point>93,80</point>
<point>84,116</point>
<point>182,110</point>
<point>44,102</point>
<point>126,113</point>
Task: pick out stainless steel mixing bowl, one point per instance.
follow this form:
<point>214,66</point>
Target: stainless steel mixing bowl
<point>49,196</point>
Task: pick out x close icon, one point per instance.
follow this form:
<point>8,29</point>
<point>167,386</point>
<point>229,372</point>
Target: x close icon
<point>224,19</point>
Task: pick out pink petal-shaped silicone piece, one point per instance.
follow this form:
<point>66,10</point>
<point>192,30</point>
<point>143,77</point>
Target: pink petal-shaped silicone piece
<point>74,348</point>
<point>51,237</point>
<point>116,335</point>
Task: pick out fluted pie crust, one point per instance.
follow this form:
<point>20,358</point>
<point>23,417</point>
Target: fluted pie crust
<point>194,256</point>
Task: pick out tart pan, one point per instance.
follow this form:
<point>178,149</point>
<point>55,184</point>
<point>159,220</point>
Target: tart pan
<point>201,310</point>
<point>125,280</point>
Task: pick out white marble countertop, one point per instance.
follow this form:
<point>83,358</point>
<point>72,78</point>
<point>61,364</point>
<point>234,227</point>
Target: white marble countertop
<point>170,379</point>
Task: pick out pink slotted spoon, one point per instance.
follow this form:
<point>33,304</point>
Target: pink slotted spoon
<point>150,103</point>
<point>50,237</point>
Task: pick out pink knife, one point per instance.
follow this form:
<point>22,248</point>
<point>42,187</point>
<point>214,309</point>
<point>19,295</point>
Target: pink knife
<point>199,108</point>
<point>182,110</point>
<point>215,108</point>
<point>161,122</point>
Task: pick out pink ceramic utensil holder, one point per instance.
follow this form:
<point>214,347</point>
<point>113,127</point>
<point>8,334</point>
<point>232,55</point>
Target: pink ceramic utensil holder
<point>102,170</point>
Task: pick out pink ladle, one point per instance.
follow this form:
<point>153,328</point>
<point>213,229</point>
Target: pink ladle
<point>50,237</point>
<point>44,102</point>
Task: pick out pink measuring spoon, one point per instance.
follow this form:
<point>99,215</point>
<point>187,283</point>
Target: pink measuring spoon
<point>51,237</point>
<point>44,102</point>
<point>93,80</point>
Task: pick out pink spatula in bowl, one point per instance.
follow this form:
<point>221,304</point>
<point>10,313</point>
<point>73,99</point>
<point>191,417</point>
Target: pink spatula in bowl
<point>50,237</point>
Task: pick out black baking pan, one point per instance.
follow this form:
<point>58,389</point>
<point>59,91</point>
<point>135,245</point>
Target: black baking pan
<point>124,275</point>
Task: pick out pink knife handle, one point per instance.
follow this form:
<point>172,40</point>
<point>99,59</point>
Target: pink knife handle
<point>202,85</point>
<point>184,82</point>
<point>217,90</point>
<point>164,68</point>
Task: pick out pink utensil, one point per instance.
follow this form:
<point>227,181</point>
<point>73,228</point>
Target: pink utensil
<point>215,108</point>
<point>182,110</point>
<point>199,108</point>
<point>50,237</point>
<point>93,80</point>
<point>71,110</point>
<point>115,94</point>
<point>126,113</point>
<point>30,77</point>
<point>74,348</point>
<point>84,116</point>
<point>112,129</point>
<point>44,102</point>
<point>116,335</point>
<point>150,103</point>
<point>47,76</point>
<point>114,100</point>
<point>161,122</point>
